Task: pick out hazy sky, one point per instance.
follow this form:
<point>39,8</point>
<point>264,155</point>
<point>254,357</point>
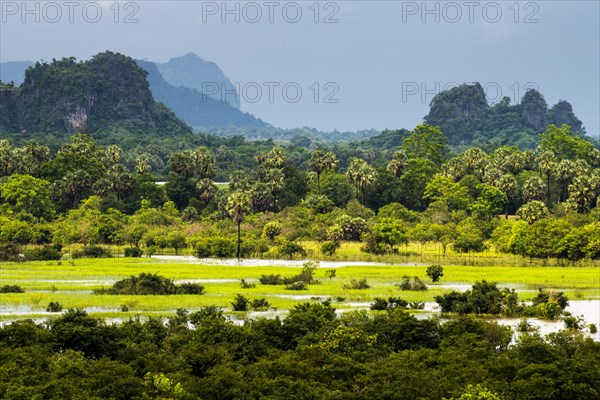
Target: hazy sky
<point>357,64</point>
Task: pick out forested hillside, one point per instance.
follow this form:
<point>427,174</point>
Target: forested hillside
<point>108,93</point>
<point>467,119</point>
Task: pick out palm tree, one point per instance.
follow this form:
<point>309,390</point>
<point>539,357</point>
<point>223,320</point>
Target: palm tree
<point>533,189</point>
<point>564,173</point>
<point>113,154</point>
<point>546,164</point>
<point>206,165</point>
<point>320,162</point>
<point>142,164</point>
<point>533,211</point>
<point>237,206</point>
<point>361,175</point>
<point>207,189</point>
<point>581,194</point>
<point>398,163</point>
<point>507,183</point>
<point>274,179</point>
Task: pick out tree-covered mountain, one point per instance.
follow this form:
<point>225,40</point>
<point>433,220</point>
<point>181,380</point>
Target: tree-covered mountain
<point>193,72</point>
<point>14,71</point>
<point>194,107</point>
<point>466,118</point>
<point>107,93</point>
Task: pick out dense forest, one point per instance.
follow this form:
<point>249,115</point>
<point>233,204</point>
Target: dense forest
<point>278,196</point>
<point>311,354</point>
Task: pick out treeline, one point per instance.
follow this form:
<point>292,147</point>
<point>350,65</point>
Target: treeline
<point>89,194</point>
<point>311,354</point>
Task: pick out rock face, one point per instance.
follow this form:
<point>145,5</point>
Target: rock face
<point>466,118</point>
<point>562,113</point>
<point>534,109</point>
<point>193,72</point>
<point>108,92</point>
<point>194,107</point>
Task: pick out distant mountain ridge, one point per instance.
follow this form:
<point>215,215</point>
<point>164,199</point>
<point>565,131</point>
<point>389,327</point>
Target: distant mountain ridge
<point>194,107</point>
<point>192,71</point>
<point>109,92</point>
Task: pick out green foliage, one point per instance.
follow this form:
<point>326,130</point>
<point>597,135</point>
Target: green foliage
<point>356,284</point>
<point>391,303</point>
<point>151,284</point>
<point>54,306</point>
<point>416,285</point>
<point>46,253</point>
<point>271,280</point>
<point>133,252</point>
<point>240,303</point>
<point>11,289</point>
<point>92,252</point>
<point>435,272</point>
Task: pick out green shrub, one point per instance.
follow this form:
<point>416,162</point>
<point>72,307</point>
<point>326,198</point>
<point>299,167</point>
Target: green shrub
<point>240,303</point>
<point>416,285</point>
<point>9,251</point>
<point>151,284</point>
<point>291,249</point>
<point>54,306</point>
<point>92,252</point>
<point>189,288</point>
<point>260,304</point>
<point>435,272</point>
<point>247,285</point>
<point>11,289</point>
<point>271,279</point>
<point>133,252</point>
<point>329,248</point>
<point>46,253</point>
<point>299,285</point>
<point>354,284</point>
<point>389,304</point>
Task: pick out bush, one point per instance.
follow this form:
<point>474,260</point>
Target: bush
<point>417,284</point>
<point>417,305</point>
<point>133,252</point>
<point>247,285</point>
<point>260,304</point>
<point>329,248</point>
<point>9,251</point>
<point>389,304</point>
<point>240,303</point>
<point>189,288</point>
<point>46,253</point>
<point>11,289</point>
<point>354,284</point>
<point>435,272</point>
<point>271,279</point>
<point>54,306</point>
<point>291,249</point>
<point>306,276</point>
<point>299,285</point>
<point>151,284</point>
<point>92,252</point>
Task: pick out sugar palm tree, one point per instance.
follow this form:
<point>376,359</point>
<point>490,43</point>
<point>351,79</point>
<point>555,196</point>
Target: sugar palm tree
<point>533,189</point>
<point>398,164</point>
<point>320,162</point>
<point>564,173</point>
<point>546,163</point>
<point>361,175</point>
<point>237,207</point>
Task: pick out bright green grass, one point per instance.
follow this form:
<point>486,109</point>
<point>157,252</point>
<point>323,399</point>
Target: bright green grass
<point>89,274</point>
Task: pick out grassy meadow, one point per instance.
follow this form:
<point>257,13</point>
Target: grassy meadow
<point>71,283</point>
